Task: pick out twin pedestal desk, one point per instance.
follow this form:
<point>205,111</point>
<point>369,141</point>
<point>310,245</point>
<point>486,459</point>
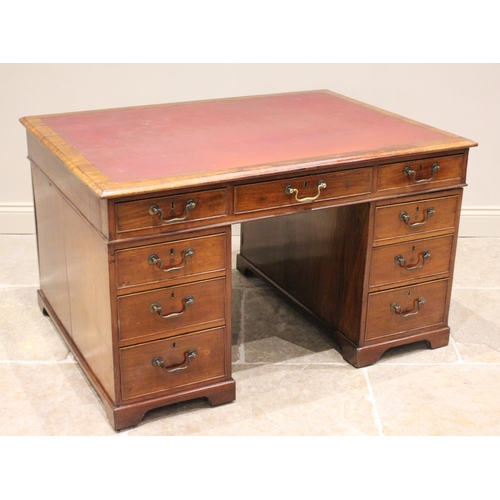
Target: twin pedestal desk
<point>352,212</point>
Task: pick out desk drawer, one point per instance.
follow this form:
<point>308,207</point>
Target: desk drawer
<point>402,310</point>
<point>420,174</point>
<point>170,311</point>
<point>416,217</point>
<point>170,211</point>
<point>309,189</point>
<point>176,259</point>
<point>412,260</point>
<point>167,365</point>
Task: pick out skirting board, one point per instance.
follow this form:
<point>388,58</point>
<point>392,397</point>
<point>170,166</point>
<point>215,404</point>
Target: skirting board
<point>479,222</point>
<point>18,218</point>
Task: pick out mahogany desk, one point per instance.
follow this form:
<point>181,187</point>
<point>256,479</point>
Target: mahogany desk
<point>134,209</point>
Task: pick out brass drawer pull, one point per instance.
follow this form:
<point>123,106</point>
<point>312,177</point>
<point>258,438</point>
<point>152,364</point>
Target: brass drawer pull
<point>188,356</point>
<point>154,260</point>
<point>399,310</point>
<point>406,218</point>
<point>409,172</point>
<point>402,261</point>
<point>156,210</point>
<point>156,308</point>
<point>289,190</point>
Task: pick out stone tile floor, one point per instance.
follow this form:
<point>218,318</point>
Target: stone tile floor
<point>291,379</point>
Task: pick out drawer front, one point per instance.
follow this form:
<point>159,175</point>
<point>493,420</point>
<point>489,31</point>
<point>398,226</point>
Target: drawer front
<point>177,259</point>
<point>302,190</point>
<point>405,309</point>
<point>170,311</point>
<point>167,365</point>
<point>416,218</point>
<point>407,261</point>
<point>420,174</point>
<point>170,211</point>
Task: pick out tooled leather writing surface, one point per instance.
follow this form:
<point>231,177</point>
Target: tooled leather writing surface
<point>133,144</point>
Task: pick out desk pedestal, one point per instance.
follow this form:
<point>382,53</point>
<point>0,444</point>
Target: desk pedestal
<point>371,292</point>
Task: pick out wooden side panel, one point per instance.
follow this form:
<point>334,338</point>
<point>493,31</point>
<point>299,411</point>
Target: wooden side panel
<point>74,278</point>
<point>89,295</point>
<point>50,208</point>
<point>318,258</point>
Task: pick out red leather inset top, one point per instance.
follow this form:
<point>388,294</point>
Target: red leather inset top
<point>162,141</point>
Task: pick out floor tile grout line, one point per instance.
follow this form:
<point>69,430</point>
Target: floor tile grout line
<point>241,339</point>
<point>457,351</point>
<point>458,362</point>
<point>19,286</point>
<point>279,363</point>
<point>39,362</point>
<point>68,359</point>
<point>371,399</point>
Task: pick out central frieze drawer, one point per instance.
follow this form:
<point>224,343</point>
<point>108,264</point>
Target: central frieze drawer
<point>170,211</point>
<point>401,310</point>
<point>166,261</point>
<point>302,190</point>
<point>170,311</point>
<point>166,365</point>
